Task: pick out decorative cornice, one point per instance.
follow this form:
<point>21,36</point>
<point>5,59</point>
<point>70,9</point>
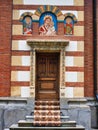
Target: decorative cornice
<point>47,43</point>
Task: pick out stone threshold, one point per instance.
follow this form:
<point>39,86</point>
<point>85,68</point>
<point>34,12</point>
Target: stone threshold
<point>24,123</point>
<point>15,127</point>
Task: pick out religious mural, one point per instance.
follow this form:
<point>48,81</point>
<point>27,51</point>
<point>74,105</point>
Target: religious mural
<point>48,24</point>
<point>27,25</point>
<point>68,26</point>
<point>48,18</point>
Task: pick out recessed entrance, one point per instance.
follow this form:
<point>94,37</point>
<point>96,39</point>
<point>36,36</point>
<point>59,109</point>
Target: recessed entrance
<point>55,48</point>
<point>47,76</point>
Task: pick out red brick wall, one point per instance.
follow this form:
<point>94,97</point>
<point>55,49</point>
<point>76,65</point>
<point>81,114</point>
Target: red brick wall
<point>97,40</point>
<point>88,49</point>
<point>60,29</point>
<point>5,46</point>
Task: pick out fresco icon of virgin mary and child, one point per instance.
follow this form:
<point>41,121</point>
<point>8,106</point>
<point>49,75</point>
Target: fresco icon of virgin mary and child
<point>47,26</point>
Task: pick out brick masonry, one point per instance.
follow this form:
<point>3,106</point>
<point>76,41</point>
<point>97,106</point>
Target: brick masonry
<point>79,27</point>
<point>5,46</point>
<point>88,49</point>
<point>97,41</point>
<point>11,46</point>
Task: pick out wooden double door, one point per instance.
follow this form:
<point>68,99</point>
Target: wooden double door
<point>47,76</point>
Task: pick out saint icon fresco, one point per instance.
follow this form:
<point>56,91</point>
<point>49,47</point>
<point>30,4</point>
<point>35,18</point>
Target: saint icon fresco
<point>27,25</point>
<point>68,26</point>
<point>47,28</point>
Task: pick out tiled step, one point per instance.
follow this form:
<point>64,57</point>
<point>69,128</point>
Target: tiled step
<point>47,113</point>
<point>49,103</point>
<point>47,107</point>
<point>16,127</point>
<point>24,123</point>
<point>46,116</point>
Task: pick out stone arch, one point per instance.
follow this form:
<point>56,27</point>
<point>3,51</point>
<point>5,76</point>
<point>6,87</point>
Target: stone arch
<point>48,8</point>
<point>25,14</point>
<point>72,16</point>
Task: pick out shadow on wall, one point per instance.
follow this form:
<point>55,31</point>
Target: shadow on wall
<point>94,116</point>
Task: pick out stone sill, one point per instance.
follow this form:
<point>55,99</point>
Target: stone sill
<point>67,101</point>
<point>13,100</point>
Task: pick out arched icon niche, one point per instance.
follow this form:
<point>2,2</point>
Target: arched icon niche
<point>27,25</point>
<point>48,24</point>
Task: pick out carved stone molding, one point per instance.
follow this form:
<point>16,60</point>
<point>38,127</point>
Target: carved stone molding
<point>50,44</point>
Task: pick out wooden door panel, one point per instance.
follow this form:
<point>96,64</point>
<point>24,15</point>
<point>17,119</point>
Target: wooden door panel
<point>50,95</point>
<point>50,79</point>
<point>47,75</point>
<point>52,69</point>
<point>41,69</point>
<point>46,85</point>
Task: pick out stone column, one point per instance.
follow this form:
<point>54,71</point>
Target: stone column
<point>32,70</point>
<point>62,73</point>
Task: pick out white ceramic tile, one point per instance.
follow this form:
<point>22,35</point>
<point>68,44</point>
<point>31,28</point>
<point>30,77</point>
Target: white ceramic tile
<point>69,61</point>
<point>26,60</point>
<point>49,2</point>
<point>70,11</point>
<point>25,91</point>
<point>23,76</point>
<point>22,45</point>
<point>71,76</point>
<point>72,46</point>
<point>69,92</point>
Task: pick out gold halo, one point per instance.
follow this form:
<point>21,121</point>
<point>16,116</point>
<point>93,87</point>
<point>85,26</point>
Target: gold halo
<point>48,16</point>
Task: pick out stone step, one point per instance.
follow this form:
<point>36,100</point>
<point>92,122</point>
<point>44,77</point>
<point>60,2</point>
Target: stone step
<point>16,127</point>
<point>24,123</point>
<point>68,123</point>
<point>32,117</point>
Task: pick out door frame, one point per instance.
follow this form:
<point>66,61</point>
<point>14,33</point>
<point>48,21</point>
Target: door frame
<point>41,52</point>
<point>48,45</point>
